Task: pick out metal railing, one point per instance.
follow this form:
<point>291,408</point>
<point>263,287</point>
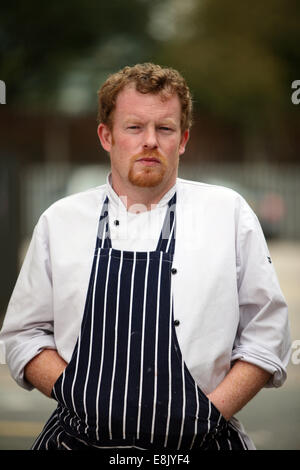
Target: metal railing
<point>272,191</point>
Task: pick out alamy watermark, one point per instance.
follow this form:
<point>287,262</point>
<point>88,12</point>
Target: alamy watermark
<point>2,92</point>
<point>295,356</point>
<point>296,94</point>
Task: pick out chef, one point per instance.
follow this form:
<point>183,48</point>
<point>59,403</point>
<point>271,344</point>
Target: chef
<point>148,307</point>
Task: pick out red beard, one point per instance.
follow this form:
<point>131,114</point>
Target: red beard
<point>147,176</point>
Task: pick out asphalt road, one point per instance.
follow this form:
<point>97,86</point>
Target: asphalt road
<point>272,418</point>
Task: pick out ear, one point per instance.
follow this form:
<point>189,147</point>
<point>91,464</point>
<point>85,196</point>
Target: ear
<point>105,136</point>
<point>184,139</point>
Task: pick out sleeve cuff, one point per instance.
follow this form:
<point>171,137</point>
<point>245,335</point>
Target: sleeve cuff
<point>17,360</point>
<point>265,360</point>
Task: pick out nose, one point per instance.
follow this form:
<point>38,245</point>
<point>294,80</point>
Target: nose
<point>150,138</point>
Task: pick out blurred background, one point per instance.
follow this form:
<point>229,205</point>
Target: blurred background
<point>242,62</point>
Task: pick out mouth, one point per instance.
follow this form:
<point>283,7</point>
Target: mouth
<point>149,161</point>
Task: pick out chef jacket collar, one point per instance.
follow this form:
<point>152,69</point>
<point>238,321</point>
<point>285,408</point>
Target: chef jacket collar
<point>117,201</point>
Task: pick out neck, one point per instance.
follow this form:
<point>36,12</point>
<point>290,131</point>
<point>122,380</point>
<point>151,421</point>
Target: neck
<point>139,199</point>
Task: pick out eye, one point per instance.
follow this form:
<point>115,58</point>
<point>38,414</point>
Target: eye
<point>166,129</point>
<point>133,127</point>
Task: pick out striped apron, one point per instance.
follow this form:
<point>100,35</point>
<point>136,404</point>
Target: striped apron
<point>127,385</point>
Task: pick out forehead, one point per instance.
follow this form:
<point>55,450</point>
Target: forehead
<point>131,102</point>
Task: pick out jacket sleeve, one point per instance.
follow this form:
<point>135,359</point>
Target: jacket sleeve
<point>263,336</point>
<point>28,324</point>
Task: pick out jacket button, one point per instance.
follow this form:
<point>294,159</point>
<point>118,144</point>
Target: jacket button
<point>116,222</point>
<point>173,270</point>
<point>176,322</point>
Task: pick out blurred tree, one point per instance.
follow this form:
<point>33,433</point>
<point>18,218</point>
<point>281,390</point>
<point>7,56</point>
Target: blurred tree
<point>41,43</point>
<point>240,59</point>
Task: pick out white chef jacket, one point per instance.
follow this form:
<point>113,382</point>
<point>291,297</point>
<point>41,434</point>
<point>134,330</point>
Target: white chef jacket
<point>226,294</point>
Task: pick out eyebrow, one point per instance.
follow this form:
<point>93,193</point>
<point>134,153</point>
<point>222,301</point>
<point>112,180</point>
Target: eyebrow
<point>166,120</point>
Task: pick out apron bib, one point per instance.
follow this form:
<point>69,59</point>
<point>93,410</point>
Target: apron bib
<point>127,385</point>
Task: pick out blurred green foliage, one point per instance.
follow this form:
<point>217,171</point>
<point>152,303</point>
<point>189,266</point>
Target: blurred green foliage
<point>239,57</point>
<point>41,42</point>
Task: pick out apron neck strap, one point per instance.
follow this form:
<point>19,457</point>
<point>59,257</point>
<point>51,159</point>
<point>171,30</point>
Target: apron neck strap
<point>166,242</point>
<point>103,239</point>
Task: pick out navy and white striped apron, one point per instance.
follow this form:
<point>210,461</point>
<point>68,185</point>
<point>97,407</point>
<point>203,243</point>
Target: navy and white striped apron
<point>127,384</point>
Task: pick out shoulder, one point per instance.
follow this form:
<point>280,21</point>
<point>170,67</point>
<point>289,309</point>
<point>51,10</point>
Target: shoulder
<point>216,200</point>
<point>83,198</point>
<point>207,192</point>
<point>78,206</point>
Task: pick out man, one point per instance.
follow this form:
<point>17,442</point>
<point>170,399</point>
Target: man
<point>147,307</point>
